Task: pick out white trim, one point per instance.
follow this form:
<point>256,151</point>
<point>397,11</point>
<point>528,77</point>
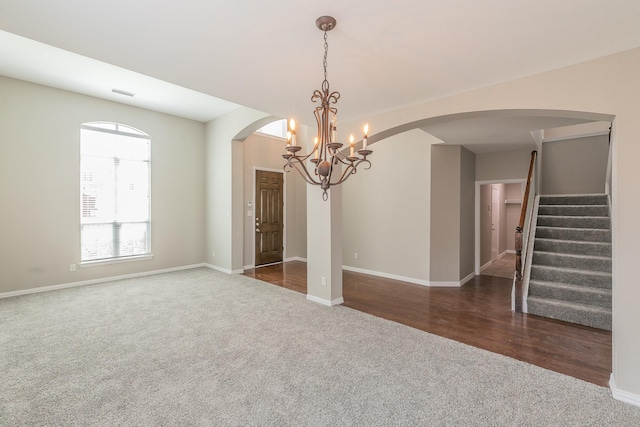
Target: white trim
<point>469,277</point>
<point>296,258</point>
<point>95,281</point>
<point>438,284</point>
<point>387,275</point>
<point>576,136</point>
<point>222,270</point>
<point>326,302</point>
<point>621,395</point>
<point>486,265</point>
<point>118,260</point>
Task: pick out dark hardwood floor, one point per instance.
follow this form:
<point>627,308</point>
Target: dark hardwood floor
<point>478,314</point>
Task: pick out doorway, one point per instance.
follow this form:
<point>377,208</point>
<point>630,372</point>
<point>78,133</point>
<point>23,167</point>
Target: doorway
<point>269,217</point>
<point>497,213</point>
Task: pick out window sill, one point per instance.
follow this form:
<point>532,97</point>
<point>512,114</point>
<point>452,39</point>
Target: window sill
<point>115,260</point>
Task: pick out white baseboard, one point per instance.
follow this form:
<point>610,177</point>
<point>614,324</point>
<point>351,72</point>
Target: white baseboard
<point>95,281</point>
<point>326,302</point>
<point>486,265</point>
<point>296,258</point>
<point>387,275</point>
<point>621,395</point>
<point>223,270</point>
<point>452,284</point>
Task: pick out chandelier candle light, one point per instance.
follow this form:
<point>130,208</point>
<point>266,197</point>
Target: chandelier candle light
<point>326,150</point>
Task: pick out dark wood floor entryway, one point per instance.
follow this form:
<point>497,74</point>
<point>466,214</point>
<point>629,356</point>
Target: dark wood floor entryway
<point>478,314</point>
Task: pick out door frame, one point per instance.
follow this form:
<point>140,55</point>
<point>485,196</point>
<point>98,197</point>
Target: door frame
<point>284,213</point>
<point>495,215</point>
<point>521,181</point>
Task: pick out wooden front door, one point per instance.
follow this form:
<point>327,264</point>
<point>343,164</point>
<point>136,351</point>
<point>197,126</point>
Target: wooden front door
<point>269,217</point>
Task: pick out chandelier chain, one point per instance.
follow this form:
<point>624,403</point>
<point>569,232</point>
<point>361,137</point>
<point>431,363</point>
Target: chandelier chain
<point>324,62</point>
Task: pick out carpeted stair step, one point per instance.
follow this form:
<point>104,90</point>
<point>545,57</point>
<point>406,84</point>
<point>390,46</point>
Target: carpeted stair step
<point>571,293</point>
<point>573,247</point>
<point>574,221</point>
<point>595,199</point>
<point>576,234</point>
<point>547,273</point>
<point>574,210</point>
<point>581,262</point>
<point>595,317</point>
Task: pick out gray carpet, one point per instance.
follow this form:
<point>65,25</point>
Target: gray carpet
<point>200,347</point>
<point>571,267</point>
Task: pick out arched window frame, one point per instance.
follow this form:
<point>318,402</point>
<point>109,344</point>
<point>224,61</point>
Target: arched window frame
<point>115,193</point>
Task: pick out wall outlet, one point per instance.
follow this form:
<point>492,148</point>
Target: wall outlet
<point>72,267</point>
<point>324,281</point>
<point>355,255</point>
<point>213,254</point>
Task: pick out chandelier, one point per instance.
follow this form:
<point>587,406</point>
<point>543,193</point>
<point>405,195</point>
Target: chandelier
<point>326,150</point>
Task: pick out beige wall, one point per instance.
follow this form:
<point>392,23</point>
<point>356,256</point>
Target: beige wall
<point>445,213</point>
<point>575,166</point>
<point>386,209</point>
<point>40,186</point>
<point>503,165</point>
<point>224,186</point>
<point>467,212</point>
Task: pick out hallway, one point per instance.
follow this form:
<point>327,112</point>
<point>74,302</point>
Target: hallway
<point>477,314</point>
<point>502,267</point>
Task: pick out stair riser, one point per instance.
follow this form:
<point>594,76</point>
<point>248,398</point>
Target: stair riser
<point>571,247</point>
<point>581,278</point>
<point>569,261</point>
<point>582,210</point>
<point>549,291</point>
<point>589,235</point>
<point>574,200</point>
<point>594,320</point>
<point>574,221</point>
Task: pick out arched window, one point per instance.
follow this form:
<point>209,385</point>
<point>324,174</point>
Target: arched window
<point>277,128</point>
<point>115,171</point>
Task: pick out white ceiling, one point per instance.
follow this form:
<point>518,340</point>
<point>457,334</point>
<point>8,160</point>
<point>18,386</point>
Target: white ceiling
<point>177,56</point>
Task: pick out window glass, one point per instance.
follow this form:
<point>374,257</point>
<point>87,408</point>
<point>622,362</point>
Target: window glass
<point>115,175</point>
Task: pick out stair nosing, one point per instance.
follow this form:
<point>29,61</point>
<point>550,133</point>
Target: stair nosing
<point>571,304</point>
<point>573,216</point>
<point>593,257</point>
<point>576,270</point>
<point>571,228</point>
<point>574,241</point>
<point>589,289</point>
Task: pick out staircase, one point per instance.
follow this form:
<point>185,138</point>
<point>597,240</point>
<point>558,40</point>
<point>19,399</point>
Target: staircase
<point>571,266</point>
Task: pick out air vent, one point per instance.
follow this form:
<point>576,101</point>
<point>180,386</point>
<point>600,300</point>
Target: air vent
<point>123,92</point>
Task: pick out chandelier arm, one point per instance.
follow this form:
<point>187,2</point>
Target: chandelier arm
<point>351,170</point>
<point>301,170</point>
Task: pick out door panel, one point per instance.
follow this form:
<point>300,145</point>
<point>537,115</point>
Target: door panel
<point>269,217</point>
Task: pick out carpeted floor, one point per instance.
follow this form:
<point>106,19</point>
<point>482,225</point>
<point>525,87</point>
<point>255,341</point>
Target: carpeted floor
<point>200,347</point>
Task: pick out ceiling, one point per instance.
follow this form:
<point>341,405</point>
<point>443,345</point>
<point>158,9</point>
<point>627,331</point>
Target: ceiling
<point>202,58</point>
